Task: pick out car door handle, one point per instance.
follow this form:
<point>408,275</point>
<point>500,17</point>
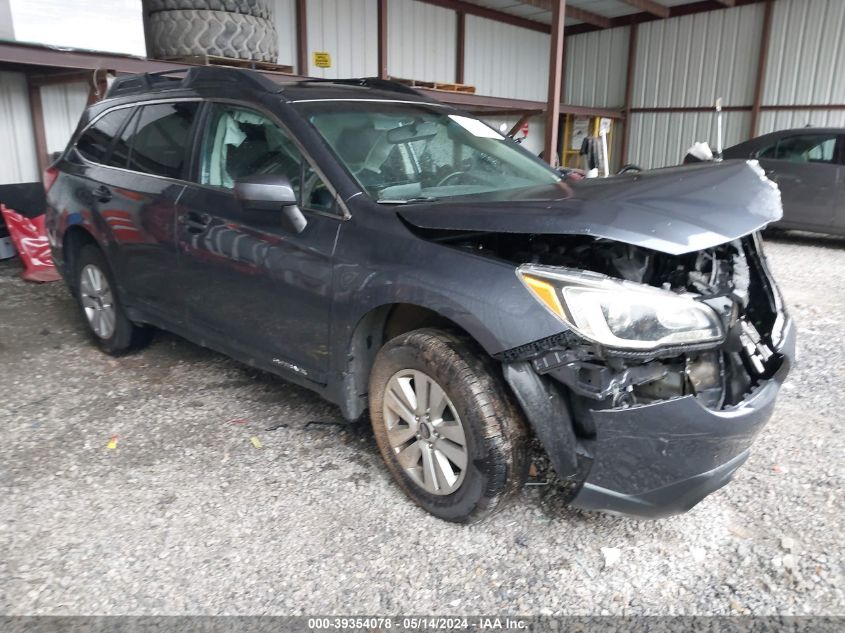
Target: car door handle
<point>102,193</point>
<point>195,222</point>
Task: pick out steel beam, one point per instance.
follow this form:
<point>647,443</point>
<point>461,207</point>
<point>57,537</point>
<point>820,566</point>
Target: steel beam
<point>702,6</point>
<point>649,6</point>
<point>491,14</point>
<point>576,13</point>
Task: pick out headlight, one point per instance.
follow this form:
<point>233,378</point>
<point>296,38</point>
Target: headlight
<point>621,314</point>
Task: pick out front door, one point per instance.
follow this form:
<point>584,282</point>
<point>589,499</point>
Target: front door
<point>839,198</point>
<point>255,287</point>
<point>806,168</point>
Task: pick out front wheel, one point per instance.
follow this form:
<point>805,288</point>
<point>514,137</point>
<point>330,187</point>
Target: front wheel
<point>97,296</point>
<point>445,425</point>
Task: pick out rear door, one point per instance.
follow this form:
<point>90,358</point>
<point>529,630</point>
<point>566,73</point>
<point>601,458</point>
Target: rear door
<point>128,167</point>
<point>806,168</point>
<point>156,148</point>
<point>255,288</point>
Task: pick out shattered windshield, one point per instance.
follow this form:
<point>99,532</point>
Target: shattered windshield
<point>401,152</point>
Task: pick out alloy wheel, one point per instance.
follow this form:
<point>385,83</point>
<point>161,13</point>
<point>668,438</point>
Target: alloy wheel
<point>425,432</point>
<point>97,301</point>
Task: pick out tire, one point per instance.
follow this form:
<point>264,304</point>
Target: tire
<point>192,32</point>
<point>494,431</point>
<point>257,8</point>
<point>124,335</point>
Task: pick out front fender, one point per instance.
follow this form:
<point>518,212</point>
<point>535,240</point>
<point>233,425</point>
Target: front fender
<point>481,295</point>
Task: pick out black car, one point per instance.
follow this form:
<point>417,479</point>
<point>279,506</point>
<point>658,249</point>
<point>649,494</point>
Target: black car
<point>399,256</point>
<point>808,164</point>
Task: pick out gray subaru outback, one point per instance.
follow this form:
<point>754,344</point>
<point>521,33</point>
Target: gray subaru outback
<point>400,257</point>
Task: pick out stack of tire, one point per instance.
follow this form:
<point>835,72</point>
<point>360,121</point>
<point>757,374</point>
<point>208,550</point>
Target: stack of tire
<point>237,29</point>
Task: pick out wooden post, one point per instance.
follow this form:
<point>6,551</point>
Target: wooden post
<point>762,61</point>
<point>301,38</point>
<point>460,46</point>
<point>382,39</point>
<point>36,110</point>
<point>629,91</point>
<point>555,80</point>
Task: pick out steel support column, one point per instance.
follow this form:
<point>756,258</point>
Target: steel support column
<point>301,38</point>
<point>629,92</point>
<point>762,61</point>
<point>460,46</point>
<point>382,39</point>
<point>555,81</point>
<point>37,112</point>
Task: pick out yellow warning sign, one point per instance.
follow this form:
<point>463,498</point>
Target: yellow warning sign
<point>322,59</point>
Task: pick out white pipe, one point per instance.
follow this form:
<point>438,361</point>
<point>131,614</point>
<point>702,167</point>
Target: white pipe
<point>719,127</point>
<point>604,160</point>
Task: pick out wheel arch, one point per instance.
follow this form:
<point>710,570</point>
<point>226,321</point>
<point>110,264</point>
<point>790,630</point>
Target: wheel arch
<point>75,238</point>
<point>379,325</point>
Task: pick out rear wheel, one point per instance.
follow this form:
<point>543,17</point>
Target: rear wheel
<point>100,306</point>
<point>445,425</point>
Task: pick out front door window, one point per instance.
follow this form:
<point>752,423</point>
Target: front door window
<point>242,143</point>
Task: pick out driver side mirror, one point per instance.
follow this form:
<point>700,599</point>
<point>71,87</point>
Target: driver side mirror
<point>269,192</point>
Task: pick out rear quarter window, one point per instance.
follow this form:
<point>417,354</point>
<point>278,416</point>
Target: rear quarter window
<point>95,142</point>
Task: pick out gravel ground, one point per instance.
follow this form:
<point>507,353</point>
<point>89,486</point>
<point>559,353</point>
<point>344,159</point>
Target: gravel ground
<point>187,515</point>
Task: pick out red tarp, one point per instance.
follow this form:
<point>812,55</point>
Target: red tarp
<point>30,240</point>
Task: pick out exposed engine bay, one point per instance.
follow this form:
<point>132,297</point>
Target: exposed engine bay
<point>730,278</point>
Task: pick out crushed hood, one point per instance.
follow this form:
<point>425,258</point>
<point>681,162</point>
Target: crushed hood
<point>675,210</point>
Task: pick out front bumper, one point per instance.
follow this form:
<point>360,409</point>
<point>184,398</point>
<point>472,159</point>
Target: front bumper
<point>662,458</point>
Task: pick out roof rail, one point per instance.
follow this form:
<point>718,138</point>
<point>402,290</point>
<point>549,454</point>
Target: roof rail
<point>370,82</point>
<point>192,77</point>
<point>134,84</point>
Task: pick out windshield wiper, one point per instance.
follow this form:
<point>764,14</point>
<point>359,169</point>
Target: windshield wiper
<point>407,200</point>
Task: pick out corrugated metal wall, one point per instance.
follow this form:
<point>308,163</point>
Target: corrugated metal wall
<point>661,139</point>
<point>346,29</point>
<point>689,62</point>
<point>806,64</point>
<point>421,41</point>
<point>596,64</point>
<point>506,61</point>
<point>62,105</point>
<point>284,19</point>
<point>18,162</point>
<point>773,120</point>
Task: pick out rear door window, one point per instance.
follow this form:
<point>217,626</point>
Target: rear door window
<point>160,137</point>
<point>95,142</point>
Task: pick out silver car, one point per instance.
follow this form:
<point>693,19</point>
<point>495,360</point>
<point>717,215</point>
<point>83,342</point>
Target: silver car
<point>809,166</point>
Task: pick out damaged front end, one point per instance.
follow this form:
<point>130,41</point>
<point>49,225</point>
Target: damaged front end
<point>668,369</point>
<point>673,336</point>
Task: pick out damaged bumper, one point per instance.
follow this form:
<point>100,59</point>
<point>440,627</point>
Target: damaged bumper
<point>656,459</point>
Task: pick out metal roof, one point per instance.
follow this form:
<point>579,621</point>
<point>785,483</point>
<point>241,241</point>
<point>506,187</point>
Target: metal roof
<point>619,12</point>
